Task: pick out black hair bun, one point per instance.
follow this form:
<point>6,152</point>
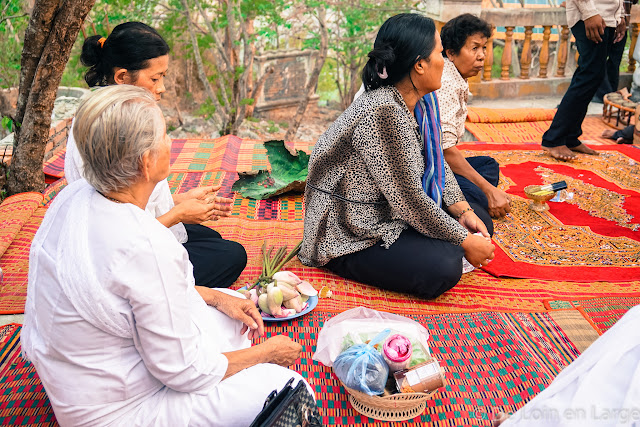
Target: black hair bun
<point>91,51</point>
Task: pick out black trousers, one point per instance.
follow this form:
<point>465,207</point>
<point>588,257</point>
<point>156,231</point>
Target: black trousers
<point>611,78</point>
<point>489,169</point>
<point>413,264</point>
<point>626,133</point>
<point>217,262</point>
<point>567,123</point>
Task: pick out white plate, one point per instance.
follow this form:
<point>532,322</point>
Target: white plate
<point>311,304</point>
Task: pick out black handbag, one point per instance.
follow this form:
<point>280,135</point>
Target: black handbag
<point>291,407</point>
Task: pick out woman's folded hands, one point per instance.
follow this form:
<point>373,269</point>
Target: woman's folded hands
<point>201,204</point>
<point>478,250</point>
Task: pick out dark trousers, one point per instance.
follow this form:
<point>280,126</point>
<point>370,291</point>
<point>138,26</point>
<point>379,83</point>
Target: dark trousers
<point>217,262</point>
<point>413,264</point>
<point>626,133</point>
<point>567,123</point>
<point>489,169</point>
<point>611,78</point>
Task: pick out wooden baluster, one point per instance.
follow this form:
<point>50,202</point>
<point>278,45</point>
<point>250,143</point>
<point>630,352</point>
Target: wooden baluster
<point>488,57</point>
<point>562,51</point>
<point>506,53</point>
<point>632,47</point>
<point>525,58</point>
<point>544,51</point>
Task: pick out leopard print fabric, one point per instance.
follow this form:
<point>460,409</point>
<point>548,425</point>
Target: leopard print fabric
<point>365,182</point>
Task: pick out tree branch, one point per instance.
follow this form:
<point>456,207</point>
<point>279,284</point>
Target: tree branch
<point>6,18</point>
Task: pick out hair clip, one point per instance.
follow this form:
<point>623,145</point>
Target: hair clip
<point>383,75</point>
<point>101,42</point>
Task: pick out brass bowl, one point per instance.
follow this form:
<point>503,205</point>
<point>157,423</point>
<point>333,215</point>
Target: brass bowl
<point>538,202</point>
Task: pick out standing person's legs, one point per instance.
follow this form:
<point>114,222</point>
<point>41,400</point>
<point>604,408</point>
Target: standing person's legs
<point>612,71</point>
<point>217,262</point>
<point>413,264</point>
<point>567,122</point>
<point>489,169</point>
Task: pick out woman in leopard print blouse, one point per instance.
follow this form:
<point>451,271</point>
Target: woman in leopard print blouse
<point>368,215</point>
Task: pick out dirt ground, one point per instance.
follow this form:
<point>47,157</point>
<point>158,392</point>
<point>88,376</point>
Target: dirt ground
<point>315,122</point>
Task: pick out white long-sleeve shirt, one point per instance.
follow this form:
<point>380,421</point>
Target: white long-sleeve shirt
<point>580,10</point>
<point>160,201</point>
<point>93,377</point>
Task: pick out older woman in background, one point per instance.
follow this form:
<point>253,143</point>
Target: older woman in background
<point>114,325</point>
<point>464,43</point>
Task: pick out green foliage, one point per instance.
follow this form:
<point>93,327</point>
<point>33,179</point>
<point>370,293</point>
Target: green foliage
<point>206,109</point>
<point>273,129</point>
<point>288,173</point>
<point>357,22</point>
<point>7,124</point>
<point>11,37</point>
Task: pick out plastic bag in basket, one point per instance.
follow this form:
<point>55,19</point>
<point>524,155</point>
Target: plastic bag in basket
<point>362,368</point>
<point>357,325</point>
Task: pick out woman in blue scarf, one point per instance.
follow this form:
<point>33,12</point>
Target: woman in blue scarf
<point>382,205</point>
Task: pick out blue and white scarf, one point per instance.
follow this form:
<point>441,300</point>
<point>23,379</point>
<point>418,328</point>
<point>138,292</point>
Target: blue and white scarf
<point>427,113</point>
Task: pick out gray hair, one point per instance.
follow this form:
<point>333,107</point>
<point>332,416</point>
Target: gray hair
<point>113,128</point>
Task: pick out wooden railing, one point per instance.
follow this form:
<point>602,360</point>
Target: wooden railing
<point>545,18</point>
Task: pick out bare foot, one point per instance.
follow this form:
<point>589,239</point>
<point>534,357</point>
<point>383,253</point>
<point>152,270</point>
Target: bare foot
<point>500,417</point>
<point>584,149</point>
<point>561,152</point>
<point>621,140</point>
<point>607,133</point>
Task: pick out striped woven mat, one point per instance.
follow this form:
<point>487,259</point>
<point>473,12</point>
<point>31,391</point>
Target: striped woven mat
<point>522,132</point>
<point>20,217</point>
<point>477,290</point>
<point>23,400</point>
<point>493,362</point>
<point>602,312</point>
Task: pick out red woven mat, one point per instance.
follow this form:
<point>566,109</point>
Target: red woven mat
<point>492,361</point>
<point>593,236</point>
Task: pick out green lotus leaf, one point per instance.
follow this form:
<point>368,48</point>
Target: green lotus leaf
<point>289,169</point>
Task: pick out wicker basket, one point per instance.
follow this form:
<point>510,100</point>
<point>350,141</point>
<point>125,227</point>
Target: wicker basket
<point>396,407</point>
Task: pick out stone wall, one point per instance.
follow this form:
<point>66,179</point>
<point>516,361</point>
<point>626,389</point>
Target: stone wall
<point>285,87</point>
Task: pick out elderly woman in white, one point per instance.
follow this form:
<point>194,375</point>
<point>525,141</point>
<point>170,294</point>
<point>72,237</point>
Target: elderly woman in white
<point>114,325</point>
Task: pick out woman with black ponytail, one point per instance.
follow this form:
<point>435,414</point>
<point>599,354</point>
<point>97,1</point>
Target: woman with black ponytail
<point>382,206</point>
<point>135,54</point>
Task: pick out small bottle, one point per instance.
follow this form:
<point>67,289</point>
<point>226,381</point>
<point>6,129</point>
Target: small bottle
<point>397,352</point>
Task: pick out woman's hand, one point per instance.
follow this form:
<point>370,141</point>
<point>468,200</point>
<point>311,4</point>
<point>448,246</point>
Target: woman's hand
<point>240,309</point>
<point>478,250</point>
<point>196,211</point>
<point>199,193</point>
<point>471,222</point>
<point>281,350</point>
<point>499,202</point>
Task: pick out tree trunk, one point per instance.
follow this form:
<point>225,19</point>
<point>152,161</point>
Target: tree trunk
<point>313,78</point>
<point>202,75</point>
<point>52,30</point>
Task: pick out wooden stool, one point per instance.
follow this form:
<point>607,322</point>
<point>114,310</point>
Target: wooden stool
<point>618,110</point>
